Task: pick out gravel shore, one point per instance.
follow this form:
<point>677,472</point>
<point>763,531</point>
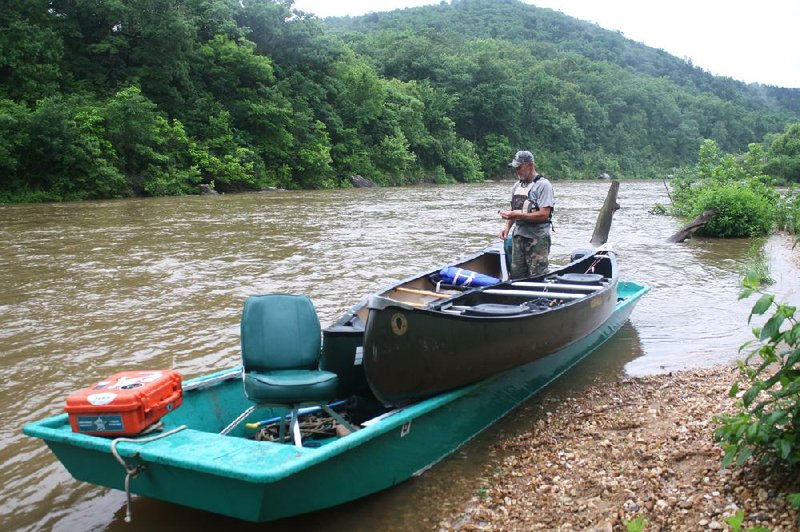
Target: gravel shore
<point>637,447</point>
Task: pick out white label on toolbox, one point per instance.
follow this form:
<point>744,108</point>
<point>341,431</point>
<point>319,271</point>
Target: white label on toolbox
<point>98,399</point>
<point>137,381</point>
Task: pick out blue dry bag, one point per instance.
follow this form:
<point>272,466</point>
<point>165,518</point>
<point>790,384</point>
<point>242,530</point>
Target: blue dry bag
<point>461,277</point>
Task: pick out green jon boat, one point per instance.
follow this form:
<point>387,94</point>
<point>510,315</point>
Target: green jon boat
<point>191,463</point>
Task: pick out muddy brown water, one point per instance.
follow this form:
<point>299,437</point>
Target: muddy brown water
<point>88,289</point>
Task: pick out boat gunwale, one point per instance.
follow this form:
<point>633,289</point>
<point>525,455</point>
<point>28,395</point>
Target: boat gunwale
<point>381,303</point>
<point>492,249</point>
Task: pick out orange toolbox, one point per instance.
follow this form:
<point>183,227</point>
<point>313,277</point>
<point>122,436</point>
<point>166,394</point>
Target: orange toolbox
<point>124,404</point>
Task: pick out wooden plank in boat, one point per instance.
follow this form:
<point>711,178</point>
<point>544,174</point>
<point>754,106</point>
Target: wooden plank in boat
<point>422,292</point>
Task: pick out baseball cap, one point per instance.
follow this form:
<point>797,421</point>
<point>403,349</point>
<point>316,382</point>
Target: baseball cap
<point>521,158</point>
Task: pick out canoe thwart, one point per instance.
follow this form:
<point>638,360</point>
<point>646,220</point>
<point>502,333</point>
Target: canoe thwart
<point>561,286</point>
<point>532,293</point>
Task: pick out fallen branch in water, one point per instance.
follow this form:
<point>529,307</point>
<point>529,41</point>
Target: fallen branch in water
<point>689,229</point>
<point>603,224</point>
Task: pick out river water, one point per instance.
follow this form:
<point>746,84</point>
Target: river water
<point>88,289</point>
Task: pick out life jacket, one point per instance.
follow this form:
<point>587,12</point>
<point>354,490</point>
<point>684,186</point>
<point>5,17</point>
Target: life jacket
<point>518,201</point>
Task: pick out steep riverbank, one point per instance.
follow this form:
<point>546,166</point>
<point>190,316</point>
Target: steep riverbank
<point>636,447</point>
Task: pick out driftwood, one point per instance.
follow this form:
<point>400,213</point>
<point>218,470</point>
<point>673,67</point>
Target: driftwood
<point>689,229</point>
<point>668,194</point>
<point>603,225</point>
<point>206,190</point>
<point>361,182</point>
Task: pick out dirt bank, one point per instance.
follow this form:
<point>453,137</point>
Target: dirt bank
<point>637,447</point>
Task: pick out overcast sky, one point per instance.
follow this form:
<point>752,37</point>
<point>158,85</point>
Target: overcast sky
<point>746,40</point>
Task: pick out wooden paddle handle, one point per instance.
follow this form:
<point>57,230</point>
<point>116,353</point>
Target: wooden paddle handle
<point>421,292</point>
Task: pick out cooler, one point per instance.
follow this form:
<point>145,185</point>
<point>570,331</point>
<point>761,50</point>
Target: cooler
<point>124,404</point>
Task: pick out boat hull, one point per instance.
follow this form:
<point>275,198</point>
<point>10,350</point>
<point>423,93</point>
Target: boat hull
<point>261,481</point>
<point>412,353</point>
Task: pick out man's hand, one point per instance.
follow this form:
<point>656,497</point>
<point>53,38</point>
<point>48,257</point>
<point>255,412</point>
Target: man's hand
<point>508,215</point>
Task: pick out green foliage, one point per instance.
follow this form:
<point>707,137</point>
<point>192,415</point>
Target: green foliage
<point>741,212</point>
<point>135,130</point>
<point>767,423</point>
<point>744,199</point>
<point>394,159</point>
<point>787,213</point>
<point>794,500</point>
<point>735,522</point>
<point>591,99</point>
<point>67,155</point>
<point>13,139</point>
<point>756,271</point>
<point>439,176</point>
<point>30,52</point>
<point>659,209</point>
<point>462,161</point>
<point>219,159</point>
<point>494,153</point>
<point>783,155</point>
<point>636,525</point>
<point>111,98</point>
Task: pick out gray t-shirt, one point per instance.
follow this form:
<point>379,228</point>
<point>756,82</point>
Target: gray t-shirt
<point>539,194</point>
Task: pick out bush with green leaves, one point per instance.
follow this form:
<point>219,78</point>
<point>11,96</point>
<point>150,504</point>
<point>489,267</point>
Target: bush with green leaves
<point>767,423</point>
<point>736,188</point>
<point>741,212</point>
<point>784,154</point>
<point>787,213</point>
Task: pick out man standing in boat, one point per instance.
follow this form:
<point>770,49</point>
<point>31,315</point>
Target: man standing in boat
<point>532,203</point>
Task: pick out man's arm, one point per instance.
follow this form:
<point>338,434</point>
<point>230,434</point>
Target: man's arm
<point>540,216</point>
<point>506,230</point>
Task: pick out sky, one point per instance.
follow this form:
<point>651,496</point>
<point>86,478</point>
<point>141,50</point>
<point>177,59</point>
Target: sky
<point>745,40</point>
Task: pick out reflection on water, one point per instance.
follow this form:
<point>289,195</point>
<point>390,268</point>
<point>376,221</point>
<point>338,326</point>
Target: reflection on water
<point>92,288</point>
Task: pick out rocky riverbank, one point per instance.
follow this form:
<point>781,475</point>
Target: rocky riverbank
<point>637,447</point>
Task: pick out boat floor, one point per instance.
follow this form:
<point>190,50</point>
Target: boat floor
<point>236,456</point>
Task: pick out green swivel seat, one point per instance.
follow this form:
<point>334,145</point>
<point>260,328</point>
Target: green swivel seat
<point>281,347</point>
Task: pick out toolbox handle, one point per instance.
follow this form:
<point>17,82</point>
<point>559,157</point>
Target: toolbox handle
<point>164,402</point>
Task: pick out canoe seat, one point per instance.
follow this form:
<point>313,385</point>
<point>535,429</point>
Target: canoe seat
<point>495,309</point>
<point>580,278</point>
<point>281,340</point>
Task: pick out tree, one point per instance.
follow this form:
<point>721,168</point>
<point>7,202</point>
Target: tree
<point>254,93</point>
<point>394,158</point>
<point>68,155</point>
<point>783,155</point>
<point>496,152</point>
<point>13,142</point>
<point>30,52</point>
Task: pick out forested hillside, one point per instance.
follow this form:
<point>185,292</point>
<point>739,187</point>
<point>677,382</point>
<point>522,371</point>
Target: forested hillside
<point>105,98</point>
<point>513,21</point>
<point>585,98</point>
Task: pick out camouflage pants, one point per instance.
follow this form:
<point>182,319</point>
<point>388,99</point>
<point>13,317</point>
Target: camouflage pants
<point>529,256</point>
